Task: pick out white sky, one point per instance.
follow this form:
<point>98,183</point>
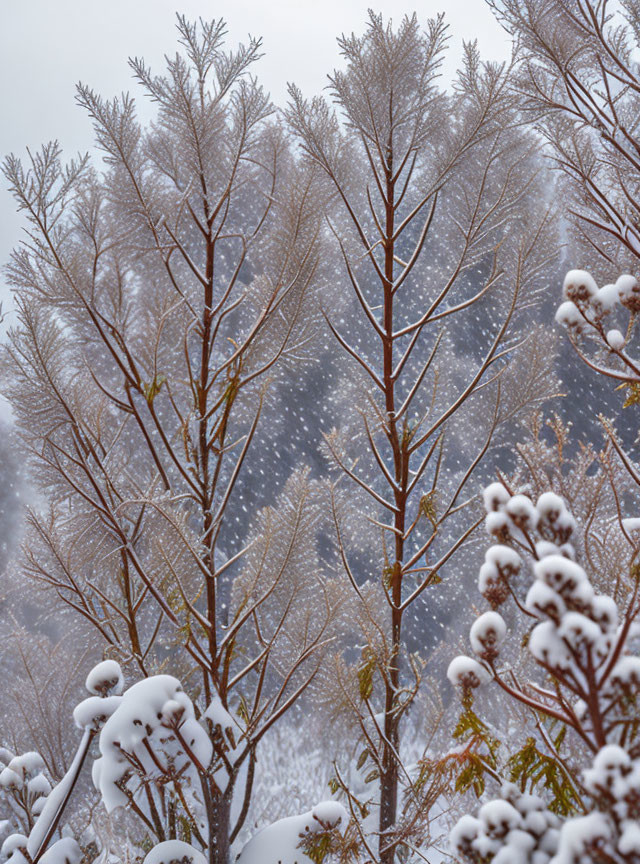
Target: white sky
<point>46,46</point>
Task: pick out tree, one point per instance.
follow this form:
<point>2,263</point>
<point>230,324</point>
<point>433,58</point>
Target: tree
<point>432,190</point>
<point>158,300</point>
<point>579,84</point>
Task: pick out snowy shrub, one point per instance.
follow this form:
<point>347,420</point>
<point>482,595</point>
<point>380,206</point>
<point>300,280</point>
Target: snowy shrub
<point>36,804</point>
<point>153,759</point>
<point>584,678</point>
<point>24,788</point>
<point>151,745</point>
<point>589,317</point>
<point>516,828</point>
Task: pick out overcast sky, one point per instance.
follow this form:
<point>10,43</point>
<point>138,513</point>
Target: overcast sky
<point>46,46</point>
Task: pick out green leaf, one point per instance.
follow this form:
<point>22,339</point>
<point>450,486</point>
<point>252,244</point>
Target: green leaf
<point>365,675</point>
<point>472,776</point>
<point>387,577</point>
<point>532,769</point>
<point>428,507</point>
<point>633,393</point>
<point>152,390</point>
<point>481,755</point>
<point>362,759</point>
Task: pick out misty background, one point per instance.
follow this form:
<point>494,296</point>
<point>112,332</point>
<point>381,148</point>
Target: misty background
<point>46,48</point>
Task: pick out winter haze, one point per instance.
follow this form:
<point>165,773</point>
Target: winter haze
<point>320,485</point>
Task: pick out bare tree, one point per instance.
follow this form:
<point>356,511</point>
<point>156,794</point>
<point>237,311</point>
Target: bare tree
<point>432,190</point>
<point>157,300</point>
<point>579,83</point>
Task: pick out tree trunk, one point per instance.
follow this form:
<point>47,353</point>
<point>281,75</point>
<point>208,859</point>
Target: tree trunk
<point>219,830</point>
<point>389,779</point>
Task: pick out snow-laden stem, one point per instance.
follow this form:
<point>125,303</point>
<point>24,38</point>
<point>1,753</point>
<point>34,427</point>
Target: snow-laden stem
<point>48,822</point>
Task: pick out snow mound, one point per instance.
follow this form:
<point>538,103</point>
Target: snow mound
<point>174,852</point>
<point>280,843</point>
<point>145,712</point>
<point>65,851</point>
<point>105,678</point>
